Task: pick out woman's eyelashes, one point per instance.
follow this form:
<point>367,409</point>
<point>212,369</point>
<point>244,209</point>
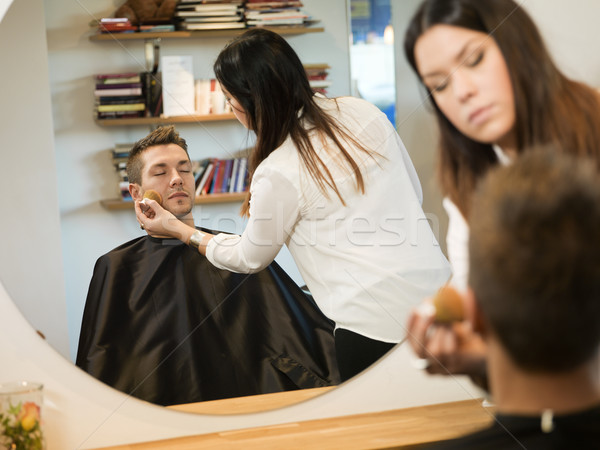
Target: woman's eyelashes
<point>472,61</point>
<point>439,87</point>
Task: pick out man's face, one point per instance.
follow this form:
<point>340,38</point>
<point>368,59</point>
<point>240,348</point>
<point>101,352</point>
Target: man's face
<point>168,170</point>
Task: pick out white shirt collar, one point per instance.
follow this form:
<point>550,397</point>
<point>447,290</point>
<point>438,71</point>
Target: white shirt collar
<point>503,158</point>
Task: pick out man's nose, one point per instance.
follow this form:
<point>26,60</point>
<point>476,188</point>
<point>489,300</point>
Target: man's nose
<point>176,179</point>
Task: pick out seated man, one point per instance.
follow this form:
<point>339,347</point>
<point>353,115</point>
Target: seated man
<point>163,324</point>
<point>535,298</point>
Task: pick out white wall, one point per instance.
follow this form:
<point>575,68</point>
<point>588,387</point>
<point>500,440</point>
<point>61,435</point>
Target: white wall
<point>31,265</point>
<point>84,168</point>
<point>571,33</point>
<point>415,123</point>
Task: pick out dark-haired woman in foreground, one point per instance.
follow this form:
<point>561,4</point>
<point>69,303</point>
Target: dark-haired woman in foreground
<point>331,179</point>
<point>496,93</point>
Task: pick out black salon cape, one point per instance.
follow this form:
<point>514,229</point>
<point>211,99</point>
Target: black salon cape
<point>578,431</point>
<point>161,323</point>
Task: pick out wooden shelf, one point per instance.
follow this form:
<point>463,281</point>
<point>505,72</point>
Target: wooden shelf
<point>197,34</point>
<point>161,120</point>
<point>118,204</point>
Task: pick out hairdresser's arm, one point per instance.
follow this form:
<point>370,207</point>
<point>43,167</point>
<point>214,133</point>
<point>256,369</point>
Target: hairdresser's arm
<point>158,222</point>
<point>457,243</point>
<point>274,210</point>
<point>457,348</point>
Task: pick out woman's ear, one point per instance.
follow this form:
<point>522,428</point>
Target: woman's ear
<point>473,313</point>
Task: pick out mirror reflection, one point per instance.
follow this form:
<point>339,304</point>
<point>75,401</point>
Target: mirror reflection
<point>85,173</point>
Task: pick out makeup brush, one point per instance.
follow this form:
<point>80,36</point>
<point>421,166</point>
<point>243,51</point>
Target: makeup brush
<point>448,305</point>
<point>153,195</point>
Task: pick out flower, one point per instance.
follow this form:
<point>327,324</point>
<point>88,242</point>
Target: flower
<point>29,415</point>
<point>20,427</point>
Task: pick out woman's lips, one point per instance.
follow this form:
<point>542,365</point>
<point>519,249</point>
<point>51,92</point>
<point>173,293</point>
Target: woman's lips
<point>480,115</point>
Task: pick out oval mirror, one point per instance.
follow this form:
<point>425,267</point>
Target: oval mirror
<point>84,173</point>
<point>40,234</point>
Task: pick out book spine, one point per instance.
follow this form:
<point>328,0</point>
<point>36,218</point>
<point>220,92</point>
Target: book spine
<point>117,85</point>
<point>243,175</point>
<point>105,76</point>
<point>123,107</point>
<point>126,99</point>
<point>218,187</point>
<point>227,175</point>
<point>234,174</point>
<point>117,92</point>
<point>205,178</point>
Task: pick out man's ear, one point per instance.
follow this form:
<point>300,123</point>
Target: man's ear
<point>474,313</point>
<point>136,191</point>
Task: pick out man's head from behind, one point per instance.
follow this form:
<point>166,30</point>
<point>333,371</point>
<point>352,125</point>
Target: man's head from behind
<point>160,161</point>
<point>535,260</point>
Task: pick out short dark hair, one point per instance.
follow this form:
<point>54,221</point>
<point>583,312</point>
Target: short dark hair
<point>161,136</point>
<point>535,259</point>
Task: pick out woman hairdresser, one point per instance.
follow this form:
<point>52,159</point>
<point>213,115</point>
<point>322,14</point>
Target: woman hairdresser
<point>495,92</point>
<point>331,179</point>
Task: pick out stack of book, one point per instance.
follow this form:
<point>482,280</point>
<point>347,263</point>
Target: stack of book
<point>216,176</point>
<point>209,15</point>
<point>119,95</point>
<point>266,14</point>
<point>120,154</point>
<point>116,25</point>
<point>317,77</point>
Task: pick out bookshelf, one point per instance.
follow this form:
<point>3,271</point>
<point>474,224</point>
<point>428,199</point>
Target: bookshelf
<point>197,34</point>
<point>152,41</point>
<point>164,120</point>
<point>116,204</point>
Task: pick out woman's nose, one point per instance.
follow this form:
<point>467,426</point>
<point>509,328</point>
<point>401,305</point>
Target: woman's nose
<point>463,85</point>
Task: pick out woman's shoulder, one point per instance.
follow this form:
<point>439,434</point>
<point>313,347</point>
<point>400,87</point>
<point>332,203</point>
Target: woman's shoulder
<point>284,160</point>
<point>345,103</point>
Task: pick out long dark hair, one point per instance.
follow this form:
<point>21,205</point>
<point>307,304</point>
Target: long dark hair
<point>264,74</point>
<point>550,108</point>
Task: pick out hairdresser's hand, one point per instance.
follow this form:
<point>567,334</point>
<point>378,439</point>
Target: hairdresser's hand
<point>446,348</point>
<point>159,222</point>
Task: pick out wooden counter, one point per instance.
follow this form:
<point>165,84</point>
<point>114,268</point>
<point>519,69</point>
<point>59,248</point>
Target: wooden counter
<point>406,428</point>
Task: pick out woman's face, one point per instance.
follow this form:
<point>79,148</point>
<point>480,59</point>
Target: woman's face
<point>239,112</point>
<point>467,75</point>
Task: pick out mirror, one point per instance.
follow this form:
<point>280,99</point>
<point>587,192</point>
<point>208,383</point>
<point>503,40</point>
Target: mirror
<point>48,144</point>
<point>31,263</point>
<point>77,147</point>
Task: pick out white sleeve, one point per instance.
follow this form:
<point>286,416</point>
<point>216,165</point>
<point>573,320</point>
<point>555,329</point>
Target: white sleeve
<point>457,242</point>
<point>274,210</point>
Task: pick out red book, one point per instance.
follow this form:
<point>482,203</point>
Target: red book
<point>218,188</point>
<point>211,178</point>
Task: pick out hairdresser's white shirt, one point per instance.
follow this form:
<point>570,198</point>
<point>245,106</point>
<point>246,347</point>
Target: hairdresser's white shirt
<point>367,263</point>
<point>457,238</point>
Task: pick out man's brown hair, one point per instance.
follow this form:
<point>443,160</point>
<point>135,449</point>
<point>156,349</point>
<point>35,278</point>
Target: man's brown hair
<point>161,136</point>
<point>535,259</point>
